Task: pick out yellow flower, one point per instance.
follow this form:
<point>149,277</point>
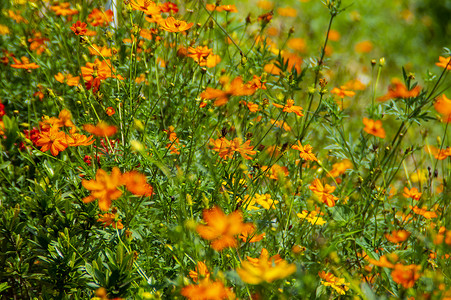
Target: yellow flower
<point>312,217</point>
<point>338,284</point>
<point>264,269</point>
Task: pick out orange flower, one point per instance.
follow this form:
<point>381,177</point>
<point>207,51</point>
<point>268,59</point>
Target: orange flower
<point>221,229</point>
<point>147,6</point>
<point>342,92</point>
<point>23,64</point>
<point>99,69</point>
<point>280,124</point>
<point>251,237</point>
<point>111,219</point>
<point>256,83</point>
<point>100,51</point>
<point>406,275</point>
<point>291,59</point>
<point>439,154</point>
<point>338,284</point>
<point>235,88</point>
<point>79,28</point>
<point>68,79</point>
<point>63,9</point>
<point>172,25</point>
<point>412,193</point>
<point>297,44</point>
<point>289,107</point>
<point>287,12</point>
<point>363,47</point>
<point>136,183</point>
<point>334,35</point>
<point>423,212</point>
<point>53,140</point>
<point>398,236</point>
<point>207,290</point>
<point>385,261</point>
<point>443,106</point>
<point>200,271</point>
<point>276,172</point>
<point>374,127</point>
<point>340,168</point>
<point>174,145</point>
<point>80,140</point>
<point>264,268</point>
<point>323,192</point>
<point>444,62</point>
<point>199,53</point>
<point>110,111</point>
<point>104,188</point>
<point>17,17</point>
<point>229,8</point>
<point>37,43</point>
<point>101,129</point>
<point>100,18</point>
<point>253,107</point>
<point>354,85</point>
<point>305,151</point>
<point>228,148</point>
<point>399,90</point>
<point>169,7</point>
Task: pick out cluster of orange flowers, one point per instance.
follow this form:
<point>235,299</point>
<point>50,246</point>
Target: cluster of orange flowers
<point>228,148</point>
<point>203,56</point>
<point>93,73</point>
<point>53,139</point>
<point>235,88</point>
<point>105,187</point>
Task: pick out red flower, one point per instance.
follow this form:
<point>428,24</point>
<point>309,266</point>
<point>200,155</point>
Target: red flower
<point>79,28</point>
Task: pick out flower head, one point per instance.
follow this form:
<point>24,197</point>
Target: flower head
<point>146,6</point>
<point>443,106</point>
<point>104,188</point>
<point>264,268</point>
<point>101,129</point>
<point>374,127</point>
<point>305,152</point>
<point>79,28</point>
<point>323,192</point>
<point>235,88</point>
<point>136,183</point>
<point>221,229</point>
<point>53,140</point>
<point>406,275</point>
<point>23,63</point>
<point>173,25</point>
<point>399,90</point>
<point>338,284</point>
<point>412,193</point>
<point>111,219</point>
<point>289,107</point>
<point>228,148</point>
<point>207,289</point>
<point>444,62</point>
